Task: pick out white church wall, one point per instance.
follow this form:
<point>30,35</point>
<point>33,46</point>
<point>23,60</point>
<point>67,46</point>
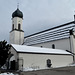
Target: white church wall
<point>39,61</point>
<point>17,21</point>
<point>11,37</point>
<point>63,44</point>
<point>16,37</point>
<point>72,39</point>
<point>15,54</point>
<point>22,37</point>
<point>73,42</point>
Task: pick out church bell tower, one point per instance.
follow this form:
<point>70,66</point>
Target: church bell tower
<point>17,33</point>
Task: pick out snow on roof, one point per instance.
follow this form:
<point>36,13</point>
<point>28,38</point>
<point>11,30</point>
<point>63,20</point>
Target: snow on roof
<point>30,49</point>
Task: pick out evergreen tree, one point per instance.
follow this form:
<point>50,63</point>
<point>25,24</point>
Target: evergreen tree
<point>4,52</point>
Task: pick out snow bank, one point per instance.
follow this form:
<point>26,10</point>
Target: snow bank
<point>8,74</point>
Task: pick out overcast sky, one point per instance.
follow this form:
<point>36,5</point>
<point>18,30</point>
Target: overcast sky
<point>38,15</point>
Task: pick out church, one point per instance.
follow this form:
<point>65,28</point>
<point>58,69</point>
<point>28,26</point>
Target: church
<point>50,48</point>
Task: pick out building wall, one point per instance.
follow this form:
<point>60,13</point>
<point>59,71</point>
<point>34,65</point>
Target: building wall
<point>17,33</point>
<point>15,54</point>
<point>17,21</point>
<point>16,37</point>
<point>59,44</point>
<point>50,35</point>
<point>38,61</point>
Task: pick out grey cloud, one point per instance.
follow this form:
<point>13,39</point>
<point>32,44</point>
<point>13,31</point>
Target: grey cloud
<point>38,14</point>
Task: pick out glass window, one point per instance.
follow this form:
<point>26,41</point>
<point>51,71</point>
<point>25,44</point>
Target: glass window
<point>19,26</point>
<point>13,27</point>
<point>41,46</point>
<point>49,63</point>
<point>53,46</point>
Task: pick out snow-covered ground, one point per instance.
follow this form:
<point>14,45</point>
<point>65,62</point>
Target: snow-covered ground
<point>31,69</point>
<point>8,74</point>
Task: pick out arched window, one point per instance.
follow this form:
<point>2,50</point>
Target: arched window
<point>53,46</point>
<point>13,27</point>
<point>19,26</point>
<point>41,46</point>
<point>49,63</point>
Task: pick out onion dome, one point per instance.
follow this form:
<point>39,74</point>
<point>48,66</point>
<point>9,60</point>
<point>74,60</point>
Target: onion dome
<point>17,13</point>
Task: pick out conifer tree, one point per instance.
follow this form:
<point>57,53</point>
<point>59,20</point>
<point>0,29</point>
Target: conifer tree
<point>4,52</point>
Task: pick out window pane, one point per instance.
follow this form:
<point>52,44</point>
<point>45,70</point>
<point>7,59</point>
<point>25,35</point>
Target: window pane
<point>18,26</point>
<point>49,63</point>
<point>53,46</point>
<point>13,27</point>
